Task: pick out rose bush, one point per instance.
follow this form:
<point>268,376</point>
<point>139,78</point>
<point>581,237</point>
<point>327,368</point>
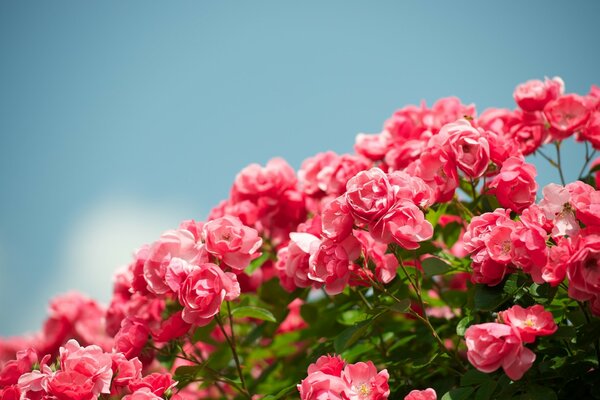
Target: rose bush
<point>420,266</point>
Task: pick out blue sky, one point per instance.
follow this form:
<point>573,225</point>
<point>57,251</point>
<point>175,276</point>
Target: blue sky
<point>119,119</point>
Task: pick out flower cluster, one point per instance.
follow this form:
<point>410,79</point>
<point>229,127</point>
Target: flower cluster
<point>386,254</point>
<point>500,344</point>
<point>331,378</point>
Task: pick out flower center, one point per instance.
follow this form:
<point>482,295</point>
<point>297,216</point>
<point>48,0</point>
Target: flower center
<point>363,390</point>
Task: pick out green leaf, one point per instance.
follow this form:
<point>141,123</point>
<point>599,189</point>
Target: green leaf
<point>349,336</point>
<point>538,392</point>
<point>462,325</point>
<point>459,394</point>
<point>435,266</point>
<point>257,263</point>
<point>351,317</point>
<point>186,374</point>
<point>486,390</point>
<point>488,298</point>
<point>254,312</point>
<point>434,213</point>
<point>473,377</point>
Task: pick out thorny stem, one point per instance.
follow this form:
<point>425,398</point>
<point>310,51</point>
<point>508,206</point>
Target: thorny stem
<point>231,342</point>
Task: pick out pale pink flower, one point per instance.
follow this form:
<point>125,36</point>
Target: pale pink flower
<point>427,394</point>
<point>492,345</point>
<point>321,386</point>
<point>530,322</point>
<point>556,206</point>
<point>365,383</point>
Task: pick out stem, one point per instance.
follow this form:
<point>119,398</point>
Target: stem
<point>550,160</point>
<point>424,319</point>
<point>588,158</point>
<point>231,342</point>
<point>560,172</point>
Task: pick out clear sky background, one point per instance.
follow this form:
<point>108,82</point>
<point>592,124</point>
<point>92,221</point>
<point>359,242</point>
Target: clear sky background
<point>118,119</point>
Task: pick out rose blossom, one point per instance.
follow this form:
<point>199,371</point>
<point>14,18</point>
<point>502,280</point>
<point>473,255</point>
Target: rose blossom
<point>566,115</point>
<point>557,208</point>
<point>336,219</point>
<point>468,145</point>
<point>591,131</point>
<point>365,383</point>
<point>293,260</point>
<point>132,337</point>
<point>531,322</point>
<point>515,186</point>
<point>231,241</point>
<point>324,380</point>
<point>330,263</point>
<point>583,268</point>
<point>142,394</point>
<point>310,176</point>
<point>204,290</point>
<point>157,383</point>
<point>373,147</point>
<point>369,195</point>
<point>404,224</point>
<point>533,95</point>
<point>491,346</point>
<point>427,394</point>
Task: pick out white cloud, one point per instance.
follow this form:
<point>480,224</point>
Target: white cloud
<point>104,238</point>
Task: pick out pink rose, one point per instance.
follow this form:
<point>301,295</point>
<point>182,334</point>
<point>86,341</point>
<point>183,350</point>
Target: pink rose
<point>413,188</point>
<point>491,346</point>
<point>555,270</point>
<point>515,185</point>
<point>566,115</point>
<point>427,394</point>
<point>591,131</point>
<point>321,386</point>
<point>369,195</point>
<point>330,365</point>
<point>375,252</point>
<point>437,170</point>
<point>335,176</point>
<point>157,383</point>
<point>530,252</point>
<point>468,146</point>
<point>372,147</point>
<point>310,176</point>
<point>534,95</point>
<point>486,270</point>
<point>203,291</point>
<point>330,264</point>
<point>404,224</point>
<point>269,181</point>
<point>230,240</point>
<point>529,134</point>
<point>498,120</point>
<point>12,370</point>
<point>337,220</point>
<point>583,268</point>
<point>180,243</point>
<point>293,260</point>
<point>132,337</point>
<point>171,328</point>
<point>480,228</point>
<point>142,394</point>
<point>88,368</point>
<point>586,201</point>
<point>365,383</point>
<point>125,371</point>
<point>531,322</point>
